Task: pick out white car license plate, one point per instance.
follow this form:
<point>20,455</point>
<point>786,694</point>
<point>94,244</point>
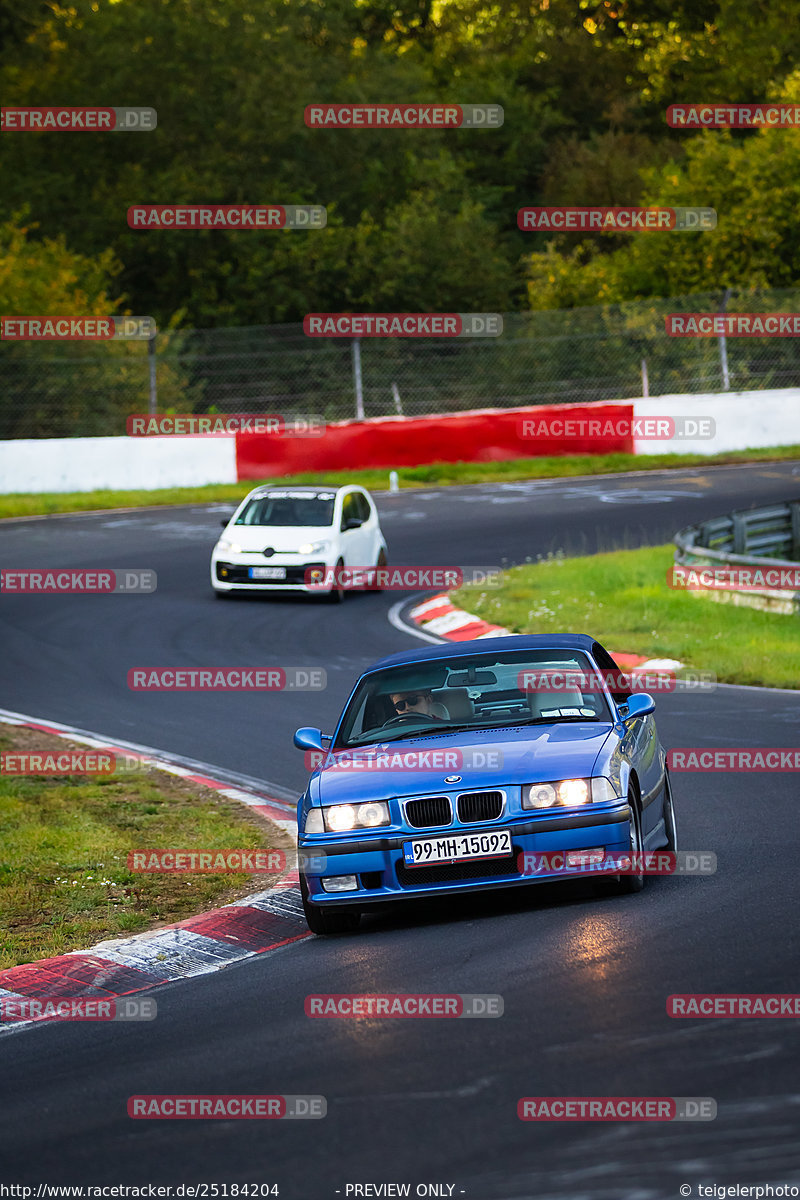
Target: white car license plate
<point>458,848</point>
<point>268,572</point>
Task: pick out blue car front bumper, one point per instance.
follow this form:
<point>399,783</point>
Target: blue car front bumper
<point>382,875</point>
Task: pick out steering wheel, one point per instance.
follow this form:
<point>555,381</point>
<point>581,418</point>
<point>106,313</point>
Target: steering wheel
<point>405,718</point>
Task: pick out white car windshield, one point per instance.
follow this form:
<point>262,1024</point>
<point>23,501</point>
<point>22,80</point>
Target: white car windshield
<point>476,692</point>
<point>285,509</point>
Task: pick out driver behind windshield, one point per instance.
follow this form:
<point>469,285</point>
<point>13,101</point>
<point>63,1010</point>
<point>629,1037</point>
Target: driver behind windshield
<point>415,703</point>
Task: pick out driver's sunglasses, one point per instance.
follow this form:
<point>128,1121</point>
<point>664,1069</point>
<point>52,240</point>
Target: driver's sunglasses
<point>409,701</point>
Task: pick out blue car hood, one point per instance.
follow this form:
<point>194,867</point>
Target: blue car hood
<point>530,754</point>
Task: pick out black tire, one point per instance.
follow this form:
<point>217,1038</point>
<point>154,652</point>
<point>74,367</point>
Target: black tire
<point>328,920</point>
<point>669,815</point>
<point>625,884</point>
<point>380,564</point>
<point>336,595</point>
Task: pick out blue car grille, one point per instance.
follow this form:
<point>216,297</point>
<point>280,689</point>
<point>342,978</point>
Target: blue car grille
<point>433,810</point>
<point>480,806</point>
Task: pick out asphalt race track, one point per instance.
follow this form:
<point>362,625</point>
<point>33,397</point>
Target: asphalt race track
<point>584,979</point>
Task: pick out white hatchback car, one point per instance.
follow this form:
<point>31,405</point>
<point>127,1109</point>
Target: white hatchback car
<point>279,535</point>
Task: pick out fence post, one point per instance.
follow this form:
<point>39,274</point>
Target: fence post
<point>151,357</point>
<point>794,510</point>
<point>645,380</point>
<point>357,379</point>
<point>397,402</point>
<point>723,346</point>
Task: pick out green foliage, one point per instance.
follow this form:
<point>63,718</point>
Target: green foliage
<point>417,220</point>
<point>37,394</point>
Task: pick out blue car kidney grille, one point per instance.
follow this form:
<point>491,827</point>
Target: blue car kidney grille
<point>480,806</point>
<point>433,810</point>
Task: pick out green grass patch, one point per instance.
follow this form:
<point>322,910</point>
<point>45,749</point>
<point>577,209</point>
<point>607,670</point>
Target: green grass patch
<point>623,600</point>
<point>64,843</point>
<point>431,475</point>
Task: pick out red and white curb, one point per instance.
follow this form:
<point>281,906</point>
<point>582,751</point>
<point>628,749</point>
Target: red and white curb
<point>437,616</point>
<point>201,944</point>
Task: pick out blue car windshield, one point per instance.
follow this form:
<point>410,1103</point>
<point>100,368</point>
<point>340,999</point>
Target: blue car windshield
<point>284,509</point>
<point>481,691</point>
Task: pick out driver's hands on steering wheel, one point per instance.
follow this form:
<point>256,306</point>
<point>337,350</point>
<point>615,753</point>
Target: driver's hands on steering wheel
<point>404,718</point>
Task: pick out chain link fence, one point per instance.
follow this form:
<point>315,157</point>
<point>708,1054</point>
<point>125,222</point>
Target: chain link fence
<point>617,351</point>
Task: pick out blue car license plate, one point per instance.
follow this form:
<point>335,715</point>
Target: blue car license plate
<point>458,848</point>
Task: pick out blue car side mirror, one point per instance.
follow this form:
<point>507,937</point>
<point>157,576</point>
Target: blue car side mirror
<point>308,738</point>
<point>640,705</point>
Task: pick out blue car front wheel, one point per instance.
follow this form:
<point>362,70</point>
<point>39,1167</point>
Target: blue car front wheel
<point>328,920</point>
<point>634,882</point>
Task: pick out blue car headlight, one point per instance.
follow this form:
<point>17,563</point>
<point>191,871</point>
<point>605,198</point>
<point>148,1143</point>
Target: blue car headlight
<point>340,818</point>
<point>567,793</point>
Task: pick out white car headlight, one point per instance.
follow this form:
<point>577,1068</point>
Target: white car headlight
<point>564,793</point>
<point>313,548</point>
<point>339,818</point>
<point>234,547</point>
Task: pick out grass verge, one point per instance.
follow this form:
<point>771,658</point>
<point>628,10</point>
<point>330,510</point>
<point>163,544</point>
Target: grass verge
<point>64,842</point>
<point>431,475</point>
<point>623,600</point>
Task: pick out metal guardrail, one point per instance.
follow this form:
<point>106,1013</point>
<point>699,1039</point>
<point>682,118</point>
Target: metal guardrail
<point>755,537</point>
<point>748,535</point>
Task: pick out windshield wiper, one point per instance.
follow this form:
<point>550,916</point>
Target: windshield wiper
<point>427,731</point>
<point>558,720</point>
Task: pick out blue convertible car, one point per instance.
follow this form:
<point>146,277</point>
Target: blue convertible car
<point>455,767</point>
